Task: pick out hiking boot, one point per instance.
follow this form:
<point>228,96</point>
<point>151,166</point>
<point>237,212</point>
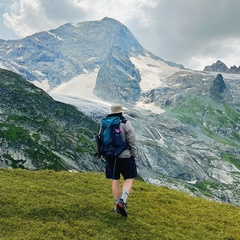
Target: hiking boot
<point>121,206</point>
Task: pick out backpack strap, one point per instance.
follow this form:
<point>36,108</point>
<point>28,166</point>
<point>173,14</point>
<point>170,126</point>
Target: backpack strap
<point>123,120</point>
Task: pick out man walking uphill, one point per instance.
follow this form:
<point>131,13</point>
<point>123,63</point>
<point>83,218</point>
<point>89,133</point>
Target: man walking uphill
<point>122,163</point>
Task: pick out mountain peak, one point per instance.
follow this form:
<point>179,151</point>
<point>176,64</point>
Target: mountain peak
<point>219,66</point>
<point>60,54</point>
<point>109,19</point>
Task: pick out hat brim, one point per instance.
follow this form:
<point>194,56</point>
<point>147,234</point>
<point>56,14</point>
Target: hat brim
<point>122,111</point>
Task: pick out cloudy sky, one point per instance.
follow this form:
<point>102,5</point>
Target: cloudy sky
<point>194,33</point>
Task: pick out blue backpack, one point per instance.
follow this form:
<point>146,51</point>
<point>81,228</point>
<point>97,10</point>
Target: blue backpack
<point>109,141</point>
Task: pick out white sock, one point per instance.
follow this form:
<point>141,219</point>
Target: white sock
<point>117,200</point>
<point>125,195</point>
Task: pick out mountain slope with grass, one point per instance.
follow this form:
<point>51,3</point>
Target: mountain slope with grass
<point>37,132</point>
<point>61,205</point>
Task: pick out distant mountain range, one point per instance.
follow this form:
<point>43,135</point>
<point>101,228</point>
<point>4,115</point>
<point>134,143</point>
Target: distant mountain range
<point>187,122</point>
<point>221,67</point>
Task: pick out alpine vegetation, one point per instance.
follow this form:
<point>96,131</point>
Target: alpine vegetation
<point>63,205</point>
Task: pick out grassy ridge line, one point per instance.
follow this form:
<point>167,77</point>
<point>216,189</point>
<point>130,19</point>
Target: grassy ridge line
<point>63,205</point>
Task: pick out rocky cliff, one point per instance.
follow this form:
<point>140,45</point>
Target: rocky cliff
<point>221,67</point>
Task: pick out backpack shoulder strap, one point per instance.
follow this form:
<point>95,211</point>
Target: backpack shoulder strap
<point>123,120</point>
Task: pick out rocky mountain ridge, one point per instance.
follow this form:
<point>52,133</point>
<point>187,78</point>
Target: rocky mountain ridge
<point>222,67</point>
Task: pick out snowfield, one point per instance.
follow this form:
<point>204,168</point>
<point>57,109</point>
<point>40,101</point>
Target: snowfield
<point>79,90</point>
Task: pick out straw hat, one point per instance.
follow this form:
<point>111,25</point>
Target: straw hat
<point>117,108</point>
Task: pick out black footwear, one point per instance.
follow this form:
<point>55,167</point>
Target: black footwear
<point>116,210</point>
<point>121,206</point>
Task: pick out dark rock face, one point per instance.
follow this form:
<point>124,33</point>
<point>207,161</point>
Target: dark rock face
<point>217,67</point>
<point>218,87</point>
<point>234,69</point>
<point>118,78</point>
<point>221,67</point>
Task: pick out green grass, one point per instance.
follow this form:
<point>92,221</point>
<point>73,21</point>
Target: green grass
<point>63,205</point>
<point>232,159</point>
<point>217,120</point>
<point>218,138</point>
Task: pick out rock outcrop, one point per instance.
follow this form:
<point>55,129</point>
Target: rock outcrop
<point>221,67</point>
<point>218,87</point>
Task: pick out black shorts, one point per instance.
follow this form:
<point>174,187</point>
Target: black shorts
<point>125,166</point>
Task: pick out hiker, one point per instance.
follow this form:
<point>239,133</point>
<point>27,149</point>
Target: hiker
<point>124,163</point>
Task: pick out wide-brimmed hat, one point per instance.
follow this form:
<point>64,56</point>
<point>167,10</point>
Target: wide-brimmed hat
<point>118,108</point>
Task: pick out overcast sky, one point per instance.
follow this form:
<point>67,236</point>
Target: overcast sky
<point>194,33</point>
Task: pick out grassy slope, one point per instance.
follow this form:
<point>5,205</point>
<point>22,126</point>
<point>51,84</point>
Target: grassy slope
<point>41,129</point>
<point>63,205</point>
<point>212,117</point>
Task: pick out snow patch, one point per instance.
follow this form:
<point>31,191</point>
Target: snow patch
<point>55,36</point>
<point>19,66</point>
<point>91,59</point>
<point>150,107</point>
<point>85,70</point>
<point>39,73</point>
<point>192,182</point>
<point>1,66</point>
<point>76,25</point>
<point>79,92</point>
<point>8,51</point>
<point>81,86</point>
<point>152,71</point>
<point>43,85</point>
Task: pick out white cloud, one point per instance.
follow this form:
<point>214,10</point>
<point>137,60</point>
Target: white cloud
<point>226,49</point>
<point>121,10</point>
<point>26,17</point>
